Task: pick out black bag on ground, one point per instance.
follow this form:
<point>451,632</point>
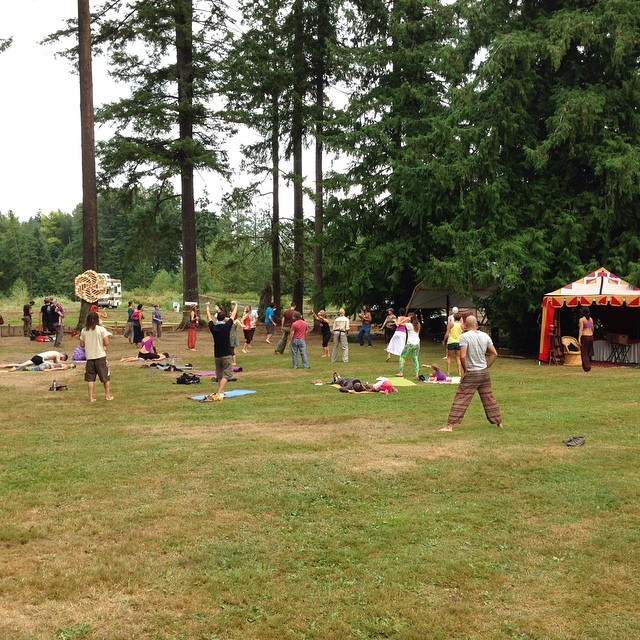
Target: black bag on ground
<point>188,378</point>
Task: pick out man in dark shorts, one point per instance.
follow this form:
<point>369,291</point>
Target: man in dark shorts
<point>221,330</point>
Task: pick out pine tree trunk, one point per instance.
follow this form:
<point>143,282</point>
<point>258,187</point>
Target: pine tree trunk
<point>89,188</point>
<point>275,212</point>
<point>319,191</point>
<point>296,142</point>
<point>184,50</point>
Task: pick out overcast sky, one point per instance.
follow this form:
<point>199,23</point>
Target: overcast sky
<point>40,166</point>
<point>40,160</point>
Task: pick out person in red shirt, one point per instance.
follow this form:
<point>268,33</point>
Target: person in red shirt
<point>299,329</point>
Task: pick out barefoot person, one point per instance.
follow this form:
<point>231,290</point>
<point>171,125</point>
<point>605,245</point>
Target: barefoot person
<point>52,357</point>
<point>221,330</point>
<point>474,347</point>
<point>94,338</point>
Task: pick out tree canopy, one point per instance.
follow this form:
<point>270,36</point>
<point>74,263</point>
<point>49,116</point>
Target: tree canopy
<point>479,143</point>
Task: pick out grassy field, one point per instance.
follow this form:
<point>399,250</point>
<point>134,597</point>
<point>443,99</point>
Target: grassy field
<point>300,512</point>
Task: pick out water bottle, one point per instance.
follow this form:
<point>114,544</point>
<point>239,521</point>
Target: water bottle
<point>54,385</point>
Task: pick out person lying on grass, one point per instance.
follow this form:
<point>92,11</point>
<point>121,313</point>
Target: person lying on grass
<point>50,357</point>
<point>355,385</point>
<point>44,366</point>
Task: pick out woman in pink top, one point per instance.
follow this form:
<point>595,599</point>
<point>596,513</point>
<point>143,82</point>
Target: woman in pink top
<point>585,338</point>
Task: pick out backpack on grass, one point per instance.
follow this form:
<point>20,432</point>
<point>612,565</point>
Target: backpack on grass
<point>188,378</point>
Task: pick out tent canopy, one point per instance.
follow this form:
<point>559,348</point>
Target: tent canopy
<point>600,287</point>
<point>425,297</point>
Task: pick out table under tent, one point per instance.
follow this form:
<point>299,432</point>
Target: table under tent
<point>615,309</point>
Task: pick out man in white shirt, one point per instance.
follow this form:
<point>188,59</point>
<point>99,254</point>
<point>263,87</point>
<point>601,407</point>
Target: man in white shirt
<point>95,339</point>
<point>478,354</point>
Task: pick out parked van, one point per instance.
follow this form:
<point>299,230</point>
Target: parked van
<point>113,297</point>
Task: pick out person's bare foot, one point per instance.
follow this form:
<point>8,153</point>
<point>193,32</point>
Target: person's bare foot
<point>447,428</point>
<point>92,399</point>
<point>109,398</point>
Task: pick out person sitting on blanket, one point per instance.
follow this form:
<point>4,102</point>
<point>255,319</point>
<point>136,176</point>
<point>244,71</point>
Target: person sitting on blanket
<point>53,358</point>
<point>147,351</point>
<point>438,375</point>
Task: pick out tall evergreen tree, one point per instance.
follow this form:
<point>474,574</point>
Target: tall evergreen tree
<point>257,86</point>
<point>166,52</point>
<point>550,185</point>
<point>395,128</point>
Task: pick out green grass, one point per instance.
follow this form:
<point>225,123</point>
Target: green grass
<point>301,512</point>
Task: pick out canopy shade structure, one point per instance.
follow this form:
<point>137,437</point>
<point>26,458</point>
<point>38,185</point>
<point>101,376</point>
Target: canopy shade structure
<point>601,288</point>
<point>425,297</point>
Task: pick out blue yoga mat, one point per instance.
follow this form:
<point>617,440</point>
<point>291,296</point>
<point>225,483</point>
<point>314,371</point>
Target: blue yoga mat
<point>227,394</point>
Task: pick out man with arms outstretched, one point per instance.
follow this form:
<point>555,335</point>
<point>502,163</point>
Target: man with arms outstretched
<point>478,354</point>
<point>221,330</point>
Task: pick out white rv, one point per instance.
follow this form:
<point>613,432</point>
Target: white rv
<point>113,296</point>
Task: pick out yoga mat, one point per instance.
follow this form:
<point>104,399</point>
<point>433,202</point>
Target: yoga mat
<point>399,382</point>
<point>227,394</point>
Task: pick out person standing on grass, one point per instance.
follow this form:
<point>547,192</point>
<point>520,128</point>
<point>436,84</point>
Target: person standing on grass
<point>48,316</point>
<point>325,329</point>
<point>451,342</point>
<point>59,323</point>
<point>248,327</point>
<point>286,322</point>
<point>474,347</point>
<point>299,328</point>
<point>156,321</point>
<point>412,347</point>
<point>340,331</point>
<point>137,317</point>
<point>27,319</point>
<point>128,332</point>
<point>365,327</point>
<point>221,330</point>
<point>270,321</point>
<point>585,338</point>
<point>192,327</point>
<point>94,339</point>
<point>389,328</point>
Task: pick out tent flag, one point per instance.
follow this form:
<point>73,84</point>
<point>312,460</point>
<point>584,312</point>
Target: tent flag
<point>600,287</point>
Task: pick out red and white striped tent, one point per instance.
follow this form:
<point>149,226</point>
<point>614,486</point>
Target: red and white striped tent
<point>600,287</point>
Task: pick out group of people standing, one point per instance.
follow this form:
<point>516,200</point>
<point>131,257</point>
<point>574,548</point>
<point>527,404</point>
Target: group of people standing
<point>51,318</point>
